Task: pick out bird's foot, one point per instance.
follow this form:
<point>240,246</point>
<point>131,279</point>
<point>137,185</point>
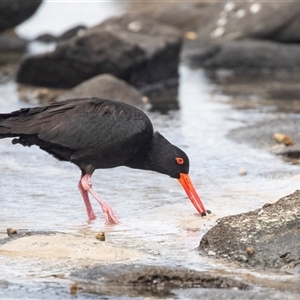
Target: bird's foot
<point>91,216</point>
<point>109,216</point>
<point>205,213</point>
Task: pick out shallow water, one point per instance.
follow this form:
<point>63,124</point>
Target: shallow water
<point>38,192</point>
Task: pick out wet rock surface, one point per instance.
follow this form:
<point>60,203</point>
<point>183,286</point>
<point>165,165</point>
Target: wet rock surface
<point>254,55</point>
<point>145,279</point>
<point>57,247</point>
<point>244,56</point>
<point>261,135</point>
<point>265,238</point>
<point>133,47</point>
<point>183,15</point>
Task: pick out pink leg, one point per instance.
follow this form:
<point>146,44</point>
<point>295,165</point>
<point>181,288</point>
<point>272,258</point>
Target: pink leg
<point>87,202</point>
<point>108,213</point>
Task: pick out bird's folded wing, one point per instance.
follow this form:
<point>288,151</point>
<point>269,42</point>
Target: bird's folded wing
<point>80,123</point>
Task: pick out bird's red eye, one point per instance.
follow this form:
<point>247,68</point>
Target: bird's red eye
<point>179,160</point>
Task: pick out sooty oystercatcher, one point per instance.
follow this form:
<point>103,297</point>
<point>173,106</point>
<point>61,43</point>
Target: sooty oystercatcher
<point>94,133</point>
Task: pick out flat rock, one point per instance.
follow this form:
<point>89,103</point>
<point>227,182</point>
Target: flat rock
<point>246,55</point>
<point>61,246</point>
<point>105,86</point>
<point>265,238</point>
<point>146,280</point>
<point>133,47</point>
<point>255,55</point>
<point>261,135</point>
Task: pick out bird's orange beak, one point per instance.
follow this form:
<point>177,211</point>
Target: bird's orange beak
<point>186,183</point>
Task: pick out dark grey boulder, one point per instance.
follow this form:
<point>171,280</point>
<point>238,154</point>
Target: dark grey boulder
<point>265,238</point>
<point>13,13</point>
<point>133,47</point>
<point>105,86</point>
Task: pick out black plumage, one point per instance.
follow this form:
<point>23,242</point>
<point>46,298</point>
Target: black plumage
<point>95,134</point>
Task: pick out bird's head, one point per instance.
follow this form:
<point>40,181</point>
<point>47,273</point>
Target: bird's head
<point>168,159</point>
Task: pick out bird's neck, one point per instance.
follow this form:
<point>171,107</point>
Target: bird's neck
<point>151,157</point>
<point>141,159</point>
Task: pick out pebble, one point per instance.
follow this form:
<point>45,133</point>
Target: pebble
<point>11,231</point>
<point>250,250</point>
<point>242,172</point>
<point>100,236</point>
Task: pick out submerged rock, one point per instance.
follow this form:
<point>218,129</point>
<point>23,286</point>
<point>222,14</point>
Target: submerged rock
<point>261,135</point>
<point>265,238</point>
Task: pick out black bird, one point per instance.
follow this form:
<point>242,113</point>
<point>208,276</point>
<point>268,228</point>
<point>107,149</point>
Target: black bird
<point>94,133</point>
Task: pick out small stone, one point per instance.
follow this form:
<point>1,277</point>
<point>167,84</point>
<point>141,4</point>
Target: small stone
<point>73,289</point>
<point>250,250</point>
<point>283,139</point>
<point>211,253</point>
<point>11,231</point>
<point>191,35</point>
<point>100,236</point>
<point>242,172</point>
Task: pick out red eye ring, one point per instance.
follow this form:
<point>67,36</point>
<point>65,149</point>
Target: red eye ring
<point>179,160</point>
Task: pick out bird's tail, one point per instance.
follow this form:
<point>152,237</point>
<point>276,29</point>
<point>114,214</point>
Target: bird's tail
<point>7,126</point>
<point>4,130</point>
